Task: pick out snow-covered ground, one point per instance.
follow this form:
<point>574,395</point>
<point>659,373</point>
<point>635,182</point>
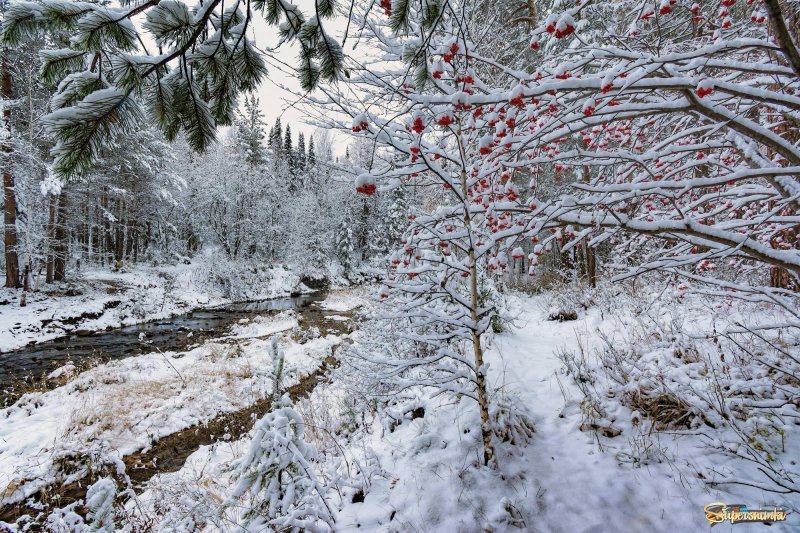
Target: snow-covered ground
<point>126,405</point>
<point>101,299</point>
<point>425,474</point>
<point>342,301</point>
<point>413,464</point>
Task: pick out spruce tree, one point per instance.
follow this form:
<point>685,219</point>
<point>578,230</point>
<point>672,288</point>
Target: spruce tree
<point>250,132</point>
<point>271,136</point>
<point>378,229</point>
<point>311,159</point>
<point>276,478</point>
<point>345,243</point>
<point>397,220</point>
<point>300,153</point>
<point>276,138</point>
<point>288,150</point>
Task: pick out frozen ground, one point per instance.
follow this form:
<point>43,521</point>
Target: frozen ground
<point>125,406</point>
<point>101,299</point>
<point>411,465</point>
<point>425,473</point>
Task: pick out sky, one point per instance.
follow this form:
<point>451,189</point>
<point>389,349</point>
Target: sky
<point>279,92</point>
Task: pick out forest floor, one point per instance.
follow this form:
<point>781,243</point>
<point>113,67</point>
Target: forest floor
<point>411,465</point>
<point>566,478</point>
<point>416,465</point>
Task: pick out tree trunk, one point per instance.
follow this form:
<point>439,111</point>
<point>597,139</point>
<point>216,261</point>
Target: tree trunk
<point>9,192</point>
<point>480,377</point>
<point>61,235</point>
<point>589,252</point>
<point>591,266</point>
<point>51,237</point>
<point>119,237</point>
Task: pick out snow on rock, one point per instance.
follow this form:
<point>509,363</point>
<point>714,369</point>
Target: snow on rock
<point>261,326</point>
<point>342,301</point>
<point>62,371</point>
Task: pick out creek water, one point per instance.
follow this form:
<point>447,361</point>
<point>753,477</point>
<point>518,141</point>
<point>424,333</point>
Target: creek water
<point>176,333</point>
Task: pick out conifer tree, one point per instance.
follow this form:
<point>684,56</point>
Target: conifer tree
<point>10,240</point>
<point>311,159</point>
<point>345,243</point>
<point>276,138</point>
<point>250,131</point>
<point>396,216</point>
<point>277,471</point>
<point>288,150</point>
<point>300,154</point>
<point>107,76</point>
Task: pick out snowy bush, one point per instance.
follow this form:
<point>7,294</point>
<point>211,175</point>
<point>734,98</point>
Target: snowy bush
<point>100,502</point>
<point>65,520</point>
<point>276,479</point>
<point>733,382</point>
<point>510,420</point>
<point>277,485</point>
<point>100,506</point>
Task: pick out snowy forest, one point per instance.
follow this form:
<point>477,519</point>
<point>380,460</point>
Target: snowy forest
<point>400,265</point>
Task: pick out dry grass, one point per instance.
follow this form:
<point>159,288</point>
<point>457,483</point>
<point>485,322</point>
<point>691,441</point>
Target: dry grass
<point>664,410</point>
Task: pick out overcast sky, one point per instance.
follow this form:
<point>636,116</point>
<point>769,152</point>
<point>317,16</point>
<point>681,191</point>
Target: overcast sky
<point>277,101</point>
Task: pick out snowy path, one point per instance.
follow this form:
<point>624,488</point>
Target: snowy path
<point>561,482</point>
<point>580,488</point>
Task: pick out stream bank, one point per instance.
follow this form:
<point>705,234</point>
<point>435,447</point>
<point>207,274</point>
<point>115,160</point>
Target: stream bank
<point>234,364</point>
<point>33,368</point>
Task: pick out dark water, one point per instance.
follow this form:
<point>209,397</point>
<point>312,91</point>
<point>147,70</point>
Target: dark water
<point>34,361</point>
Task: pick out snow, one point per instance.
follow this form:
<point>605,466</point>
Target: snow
<point>99,299</point>
<point>262,326</point>
<point>65,370</point>
<point>559,482</point>
<point>639,417</point>
<point>426,474</point>
<point>100,501</point>
<point>126,405</point>
<point>341,301</point>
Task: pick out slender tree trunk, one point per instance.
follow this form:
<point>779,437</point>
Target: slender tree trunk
<point>480,377</point>
<point>90,234</point>
<point>130,238</point>
<point>580,260</point>
<point>591,266</point>
<point>61,235</point>
<point>119,237</point>
<point>108,248</point>
<point>9,191</point>
<point>27,278</point>
<point>589,252</point>
<point>51,237</point>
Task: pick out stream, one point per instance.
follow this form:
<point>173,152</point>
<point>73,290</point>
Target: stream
<point>170,452</point>
<point>33,362</point>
